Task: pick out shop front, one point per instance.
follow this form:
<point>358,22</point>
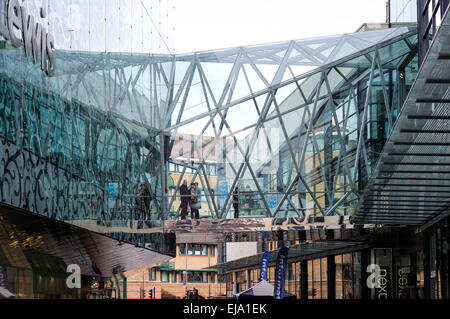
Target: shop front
<point>392,263</point>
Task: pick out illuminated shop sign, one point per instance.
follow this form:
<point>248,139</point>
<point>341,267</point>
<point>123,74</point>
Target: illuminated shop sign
<point>402,282</point>
<point>384,291</point>
<point>22,30</point>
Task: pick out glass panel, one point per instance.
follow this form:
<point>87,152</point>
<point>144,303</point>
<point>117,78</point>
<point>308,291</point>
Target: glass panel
<point>182,250</point>
<point>204,250</point>
<point>324,279</point>
<point>347,276</point>
<point>174,276</point>
<point>383,257</point>
<point>338,280</point>
<point>190,248</point>
<point>312,291</point>
<point>357,283</point>
<point>164,276</point>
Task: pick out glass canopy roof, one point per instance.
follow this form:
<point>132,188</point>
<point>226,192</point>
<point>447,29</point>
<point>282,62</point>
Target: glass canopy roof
<point>296,126</point>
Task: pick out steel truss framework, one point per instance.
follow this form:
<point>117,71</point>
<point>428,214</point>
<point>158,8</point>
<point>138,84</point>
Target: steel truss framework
<point>296,125</point>
<point>314,173</point>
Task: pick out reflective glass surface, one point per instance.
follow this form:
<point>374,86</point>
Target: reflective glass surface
<point>106,141</point>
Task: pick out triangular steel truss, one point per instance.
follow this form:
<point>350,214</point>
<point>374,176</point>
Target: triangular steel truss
<point>294,121</point>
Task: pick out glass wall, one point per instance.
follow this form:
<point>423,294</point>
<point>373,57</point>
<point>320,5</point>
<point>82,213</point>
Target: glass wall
<point>230,284</point>
<point>437,240</point>
<point>292,282</point>
<point>402,271</point>
<point>99,141</point>
<point>254,276</point>
<point>39,283</point>
<point>409,276</point>
<point>383,258</point>
<point>317,279</point>
<point>241,280</point>
<point>348,283</point>
<point>278,167</point>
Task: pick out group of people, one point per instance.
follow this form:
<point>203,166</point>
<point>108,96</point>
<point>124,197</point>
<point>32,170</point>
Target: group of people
<point>190,197</point>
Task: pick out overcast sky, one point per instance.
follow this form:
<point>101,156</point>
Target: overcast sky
<point>214,24</point>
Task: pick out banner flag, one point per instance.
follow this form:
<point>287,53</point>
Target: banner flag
<point>280,273</point>
<point>263,268</point>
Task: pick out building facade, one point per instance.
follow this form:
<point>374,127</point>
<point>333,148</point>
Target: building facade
<point>351,128</point>
<point>186,272</point>
<point>54,155</point>
<point>412,266</point>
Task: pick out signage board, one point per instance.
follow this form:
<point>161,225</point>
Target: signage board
<point>22,30</point>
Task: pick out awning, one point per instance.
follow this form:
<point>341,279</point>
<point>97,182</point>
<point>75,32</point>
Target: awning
<point>307,250</point>
<point>411,182</point>
<point>262,290</point>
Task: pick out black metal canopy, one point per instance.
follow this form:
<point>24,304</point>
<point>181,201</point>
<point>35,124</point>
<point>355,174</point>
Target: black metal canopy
<point>411,182</point>
<point>306,250</point>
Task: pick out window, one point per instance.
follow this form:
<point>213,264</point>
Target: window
<point>339,280</point>
<point>296,286</point>
<point>271,274</point>
<point>197,250</point>
<point>197,277</point>
<point>190,249</point>
<point>174,277</point>
<point>224,252</point>
<point>324,278</point>
<point>152,274</point>
<point>212,277</point>
<point>194,250</point>
<point>229,283</point>
<point>204,250</point>
<point>182,249</point>
<point>348,275</point>
<point>290,272</point>
<point>240,281</point>
<point>221,279</point>
<point>253,276</point>
<point>164,276</point>
<point>212,250</point>
<point>317,279</point>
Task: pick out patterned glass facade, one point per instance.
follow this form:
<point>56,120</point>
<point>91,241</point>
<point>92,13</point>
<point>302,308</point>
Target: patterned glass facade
<point>296,126</point>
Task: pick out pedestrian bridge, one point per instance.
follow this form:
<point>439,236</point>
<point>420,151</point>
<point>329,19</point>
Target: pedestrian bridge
<point>234,230</point>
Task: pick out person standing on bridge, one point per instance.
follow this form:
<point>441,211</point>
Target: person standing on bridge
<point>185,196</point>
<point>236,202</point>
<point>195,202</point>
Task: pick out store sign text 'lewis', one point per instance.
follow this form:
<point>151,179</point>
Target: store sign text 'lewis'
<point>23,30</point>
